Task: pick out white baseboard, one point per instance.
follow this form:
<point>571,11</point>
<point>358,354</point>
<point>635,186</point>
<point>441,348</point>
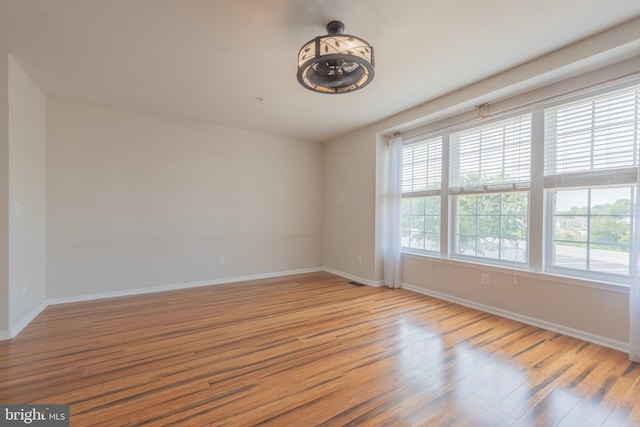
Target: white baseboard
<point>13,332</point>
<point>26,320</point>
<point>354,278</point>
<point>173,287</point>
<point>565,330</point>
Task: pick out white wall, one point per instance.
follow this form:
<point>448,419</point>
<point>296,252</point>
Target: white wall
<point>27,206</point>
<point>137,200</point>
<point>349,204</point>
<point>4,194</point>
<point>596,313</point>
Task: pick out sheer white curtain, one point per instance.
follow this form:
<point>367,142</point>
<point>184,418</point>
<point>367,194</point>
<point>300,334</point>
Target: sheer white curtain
<point>393,244</point>
<point>634,292</point>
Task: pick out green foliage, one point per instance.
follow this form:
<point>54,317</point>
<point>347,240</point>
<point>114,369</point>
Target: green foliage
<point>492,225</point>
<point>493,215</point>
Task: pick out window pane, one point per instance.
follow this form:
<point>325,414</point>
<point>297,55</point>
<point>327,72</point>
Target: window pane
<point>467,225</point>
<point>608,259</point>
<point>497,229</point>
<point>514,227</point>
<point>489,204</point>
<point>514,204</point>
<point>571,228</point>
<point>514,249</point>
<point>406,218</point>
<point>417,223</point>
<point>489,225</point>
<point>417,240</point>
<point>592,229</point>
<point>571,202</point>
<point>417,206</point>
<point>432,206</point>
<point>432,224</point>
<point>467,205</point>
<point>570,218</point>
<point>432,241</point>
<point>421,228</point>
<point>570,255</point>
<point>488,247</point>
<point>614,230</point>
<point>611,201</point>
<point>466,245</point>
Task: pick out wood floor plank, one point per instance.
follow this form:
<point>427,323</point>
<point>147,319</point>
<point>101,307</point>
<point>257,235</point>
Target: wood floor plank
<point>310,349</point>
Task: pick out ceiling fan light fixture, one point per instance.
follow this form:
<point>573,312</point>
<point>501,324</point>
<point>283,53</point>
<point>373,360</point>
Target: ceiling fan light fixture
<point>336,62</point>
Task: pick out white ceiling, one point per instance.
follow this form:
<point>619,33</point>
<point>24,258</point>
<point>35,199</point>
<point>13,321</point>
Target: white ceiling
<point>210,59</point>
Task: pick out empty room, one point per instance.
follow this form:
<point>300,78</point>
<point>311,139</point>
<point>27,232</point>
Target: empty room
<point>319,212</point>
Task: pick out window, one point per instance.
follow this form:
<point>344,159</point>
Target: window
<point>592,229</point>
<point>492,226</point>
<point>489,180</point>
<point>591,160</point>
<point>421,189</point>
<point>583,151</point>
<point>592,135</point>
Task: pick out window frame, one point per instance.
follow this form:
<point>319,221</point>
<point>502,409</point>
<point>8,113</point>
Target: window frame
<point>425,139</point>
<point>587,274</point>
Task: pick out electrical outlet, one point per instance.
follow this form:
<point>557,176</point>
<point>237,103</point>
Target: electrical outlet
<point>484,279</point>
<point>359,259</point>
<point>221,260</point>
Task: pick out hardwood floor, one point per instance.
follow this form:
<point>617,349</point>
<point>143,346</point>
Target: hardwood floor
<point>310,350</point>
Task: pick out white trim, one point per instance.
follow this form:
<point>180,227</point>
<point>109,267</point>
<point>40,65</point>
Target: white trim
<point>575,333</point>
<point>178,286</point>
<point>355,278</point>
<point>13,332</point>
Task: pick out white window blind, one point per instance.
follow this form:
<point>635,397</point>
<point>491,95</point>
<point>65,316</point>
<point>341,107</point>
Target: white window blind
<point>422,167</point>
<point>598,134</point>
<point>492,157</point>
